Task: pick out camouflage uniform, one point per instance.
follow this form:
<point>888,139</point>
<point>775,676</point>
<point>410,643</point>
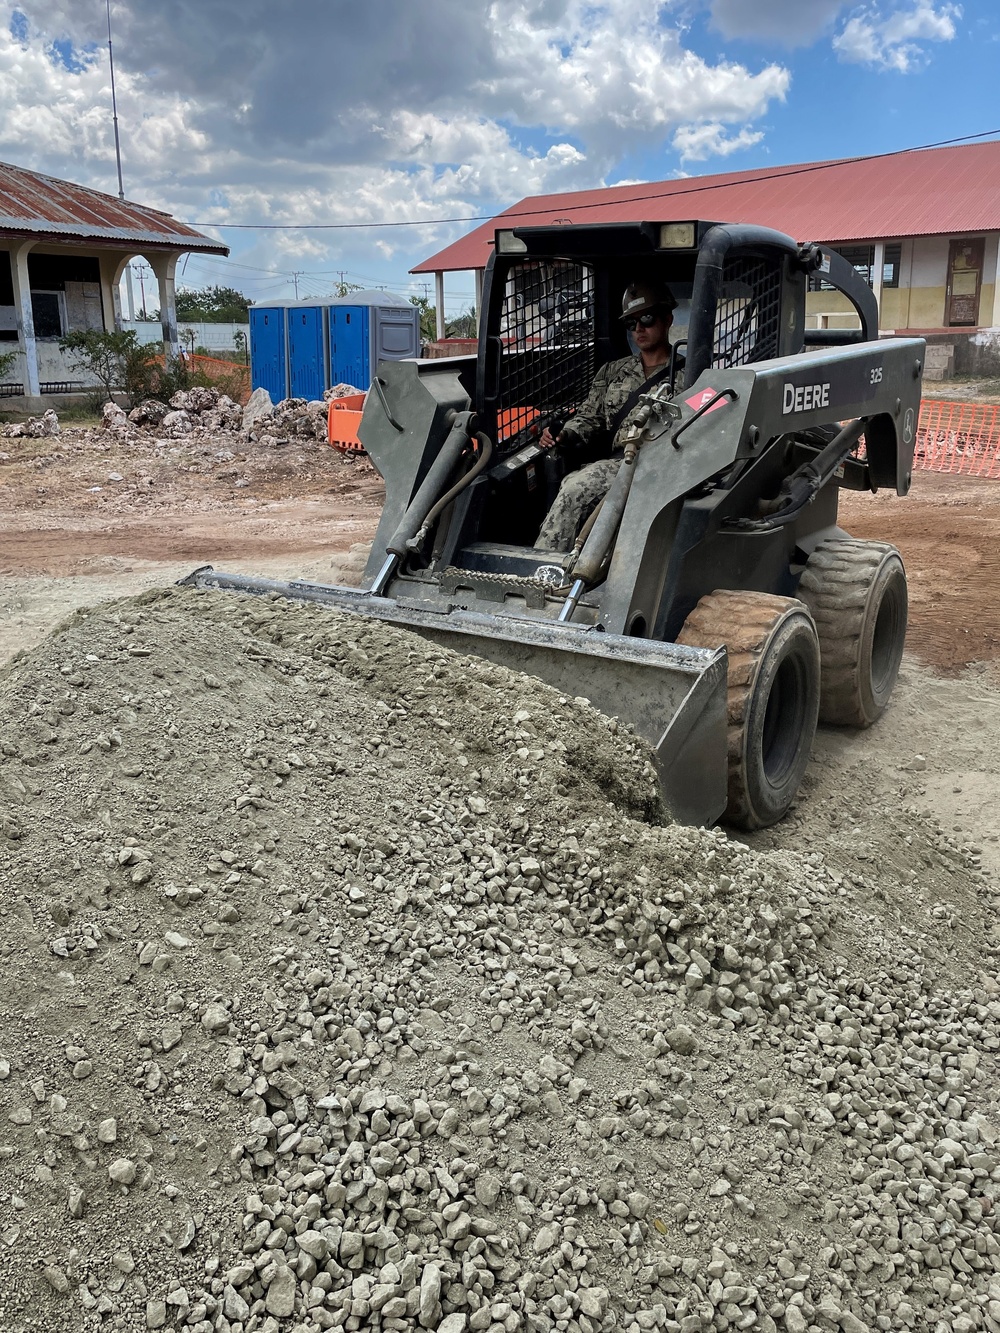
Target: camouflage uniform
<point>581,490</point>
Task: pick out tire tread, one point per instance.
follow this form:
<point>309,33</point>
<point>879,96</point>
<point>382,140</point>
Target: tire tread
<point>836,586</point>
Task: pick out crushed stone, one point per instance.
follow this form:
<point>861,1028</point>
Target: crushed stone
<point>352,983</point>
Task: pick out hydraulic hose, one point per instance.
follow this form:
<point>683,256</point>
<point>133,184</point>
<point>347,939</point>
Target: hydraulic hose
<point>415,519</point>
<point>486,453</point>
<point>802,486</point>
<point>430,488</point>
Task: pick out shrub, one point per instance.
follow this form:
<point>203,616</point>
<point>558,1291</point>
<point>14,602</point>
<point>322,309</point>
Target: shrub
<point>117,360</point>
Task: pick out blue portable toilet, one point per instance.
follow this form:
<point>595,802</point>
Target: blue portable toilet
<point>300,348</point>
<point>306,356</point>
<point>369,327</point>
<point>269,351</point>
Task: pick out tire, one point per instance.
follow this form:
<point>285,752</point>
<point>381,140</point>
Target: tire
<point>772,697</point>
<point>856,592</point>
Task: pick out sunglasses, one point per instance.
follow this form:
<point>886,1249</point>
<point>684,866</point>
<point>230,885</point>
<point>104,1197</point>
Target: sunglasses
<point>645,321</point>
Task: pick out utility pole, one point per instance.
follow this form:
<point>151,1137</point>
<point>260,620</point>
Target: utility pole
<point>142,288</point>
<point>295,279</point>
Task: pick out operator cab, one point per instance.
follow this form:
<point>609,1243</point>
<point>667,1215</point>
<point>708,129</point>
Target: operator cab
<point>551,317</point>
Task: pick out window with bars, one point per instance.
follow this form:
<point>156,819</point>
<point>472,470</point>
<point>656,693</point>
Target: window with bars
<point>547,335</point>
<point>862,259</point>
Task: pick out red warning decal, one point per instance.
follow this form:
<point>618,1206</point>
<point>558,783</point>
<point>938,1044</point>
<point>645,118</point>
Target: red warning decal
<point>703,396</point>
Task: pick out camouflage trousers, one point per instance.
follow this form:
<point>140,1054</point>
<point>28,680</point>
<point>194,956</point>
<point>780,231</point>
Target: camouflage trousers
<point>579,495</point>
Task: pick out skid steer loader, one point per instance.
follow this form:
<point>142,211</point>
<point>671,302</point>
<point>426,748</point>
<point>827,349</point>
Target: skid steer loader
<point>711,601</point>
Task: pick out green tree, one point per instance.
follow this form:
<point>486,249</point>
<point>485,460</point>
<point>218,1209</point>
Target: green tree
<point>211,305</point>
<point>117,360</point>
<point>7,362</point>
<point>428,318</point>
<point>464,326</point>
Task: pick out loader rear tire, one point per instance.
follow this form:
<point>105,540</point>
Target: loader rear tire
<point>856,592</point>
<point>772,696</point>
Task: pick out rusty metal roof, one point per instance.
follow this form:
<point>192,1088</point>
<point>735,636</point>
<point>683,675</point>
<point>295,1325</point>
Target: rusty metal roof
<point>926,192</point>
<point>33,204</point>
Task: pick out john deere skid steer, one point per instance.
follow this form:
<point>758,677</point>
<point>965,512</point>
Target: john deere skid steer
<point>711,600</point>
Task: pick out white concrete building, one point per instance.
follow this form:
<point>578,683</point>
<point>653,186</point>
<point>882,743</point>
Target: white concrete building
<point>67,247</point>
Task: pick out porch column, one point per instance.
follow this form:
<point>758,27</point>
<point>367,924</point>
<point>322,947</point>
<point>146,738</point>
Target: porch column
<point>112,267</point>
<point>480,273</point>
<point>25,317</point>
<point>164,267</point>
<point>439,304</point>
<point>995,317</point>
<point>878,269</point>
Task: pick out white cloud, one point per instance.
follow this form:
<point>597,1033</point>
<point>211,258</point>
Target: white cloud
<point>615,73</point>
<point>697,142</point>
<point>896,42</point>
<point>333,112</point>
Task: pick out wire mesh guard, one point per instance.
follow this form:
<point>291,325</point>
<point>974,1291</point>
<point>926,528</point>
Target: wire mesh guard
<point>748,316</point>
<point>547,335</point>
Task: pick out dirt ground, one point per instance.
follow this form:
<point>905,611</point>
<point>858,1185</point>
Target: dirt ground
<point>72,536</point>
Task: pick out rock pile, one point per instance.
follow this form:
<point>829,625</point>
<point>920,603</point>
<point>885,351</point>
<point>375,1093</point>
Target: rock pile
<point>35,428</point>
<point>199,412</point>
<point>272,424</point>
<point>354,984</point>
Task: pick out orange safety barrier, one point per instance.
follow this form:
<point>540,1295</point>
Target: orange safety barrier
<point>514,419</point>
<point>342,420</point>
<point>958,437</point>
<point>344,417</point>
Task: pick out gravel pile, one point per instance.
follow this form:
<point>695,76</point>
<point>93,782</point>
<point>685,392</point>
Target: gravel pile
<point>354,984</point>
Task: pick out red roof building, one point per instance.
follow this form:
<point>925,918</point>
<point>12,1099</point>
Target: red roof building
<point>68,247</point>
<point>923,226</point>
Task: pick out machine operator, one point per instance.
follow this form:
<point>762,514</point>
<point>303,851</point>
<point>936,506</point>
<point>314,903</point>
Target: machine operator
<point>647,313</point>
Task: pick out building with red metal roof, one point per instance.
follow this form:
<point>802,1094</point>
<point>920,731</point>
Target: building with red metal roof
<point>923,226</point>
<point>68,247</point>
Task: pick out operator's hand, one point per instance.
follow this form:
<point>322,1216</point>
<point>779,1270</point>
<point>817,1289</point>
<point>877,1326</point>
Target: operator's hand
<point>547,440</point>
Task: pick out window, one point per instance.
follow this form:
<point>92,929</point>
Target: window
<point>46,311</point>
<point>862,260</point>
<point>891,264</point>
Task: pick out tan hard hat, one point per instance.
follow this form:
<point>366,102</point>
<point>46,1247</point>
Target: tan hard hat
<point>643,296</point>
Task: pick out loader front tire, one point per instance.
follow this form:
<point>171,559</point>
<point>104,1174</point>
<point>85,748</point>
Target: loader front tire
<point>772,696</point>
<point>856,592</point>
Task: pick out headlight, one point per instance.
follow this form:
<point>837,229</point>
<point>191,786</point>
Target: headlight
<point>509,244</point>
<point>677,235</point>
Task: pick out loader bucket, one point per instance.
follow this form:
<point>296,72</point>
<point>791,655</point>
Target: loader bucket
<point>672,696</point>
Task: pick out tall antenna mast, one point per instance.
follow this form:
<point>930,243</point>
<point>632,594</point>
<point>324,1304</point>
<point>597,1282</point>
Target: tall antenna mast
<point>114,108</point>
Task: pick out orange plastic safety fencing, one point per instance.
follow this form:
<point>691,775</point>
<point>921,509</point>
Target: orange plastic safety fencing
<point>958,437</point>
<point>230,375</point>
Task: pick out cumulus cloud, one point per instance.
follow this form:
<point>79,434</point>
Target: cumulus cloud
<point>896,42</point>
<point>339,112</point>
<point>697,142</point>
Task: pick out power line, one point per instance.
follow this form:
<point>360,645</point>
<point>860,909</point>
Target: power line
<point>781,172</point>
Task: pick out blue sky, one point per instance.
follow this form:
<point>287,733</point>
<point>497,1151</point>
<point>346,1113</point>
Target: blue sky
<point>313,111</point>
